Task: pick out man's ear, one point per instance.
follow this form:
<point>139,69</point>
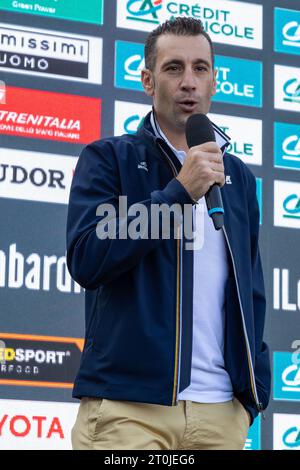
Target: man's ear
<point>147,82</point>
<point>214,84</point>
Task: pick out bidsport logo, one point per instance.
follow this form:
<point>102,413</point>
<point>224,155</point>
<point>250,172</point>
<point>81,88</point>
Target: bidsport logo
<point>129,116</point>
<point>39,361</point>
<point>87,12</point>
<point>287,146</point>
<point>245,145</point>
<point>129,62</point>
<point>36,425</point>
<point>46,115</point>
<point>286,295</point>
<point>286,376</point>
<point>35,272</point>
<point>239,81</point>
<point>253,441</point>
<point>50,54</point>
<point>287,88</point>
<point>239,24</point>
<point>286,204</point>
<point>286,431</point>
<point>35,176</point>
<point>287,31</point>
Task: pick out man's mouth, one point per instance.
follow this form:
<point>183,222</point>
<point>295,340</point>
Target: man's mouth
<point>187,105</point>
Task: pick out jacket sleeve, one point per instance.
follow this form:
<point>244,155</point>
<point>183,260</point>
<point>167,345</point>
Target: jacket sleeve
<point>262,360</point>
<point>91,260</point>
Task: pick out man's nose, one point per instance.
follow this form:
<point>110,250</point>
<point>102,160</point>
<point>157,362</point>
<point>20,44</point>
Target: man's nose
<point>188,81</point>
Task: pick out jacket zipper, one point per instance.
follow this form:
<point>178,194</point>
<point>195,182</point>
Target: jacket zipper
<point>178,298</point>
<point>178,319</point>
<point>250,363</point>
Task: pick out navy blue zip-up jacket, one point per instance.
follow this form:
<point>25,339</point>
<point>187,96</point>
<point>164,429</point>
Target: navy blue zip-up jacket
<point>139,293</point>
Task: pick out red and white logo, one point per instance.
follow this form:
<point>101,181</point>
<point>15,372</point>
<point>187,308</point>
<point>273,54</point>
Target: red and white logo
<point>54,116</point>
<point>35,425</point>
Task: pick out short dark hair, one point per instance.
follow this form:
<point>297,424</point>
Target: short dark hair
<point>179,26</point>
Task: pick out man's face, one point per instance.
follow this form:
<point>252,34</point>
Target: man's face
<point>183,80</point>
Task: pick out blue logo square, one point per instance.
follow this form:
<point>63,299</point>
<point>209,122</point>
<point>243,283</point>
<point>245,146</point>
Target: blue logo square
<point>287,146</point>
<point>287,31</point>
<point>286,376</point>
<point>129,61</point>
<point>239,81</point>
<point>253,441</point>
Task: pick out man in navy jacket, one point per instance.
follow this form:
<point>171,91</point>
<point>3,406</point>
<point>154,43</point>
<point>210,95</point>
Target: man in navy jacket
<point>174,356</point>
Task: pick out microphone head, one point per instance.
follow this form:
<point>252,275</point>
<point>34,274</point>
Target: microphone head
<point>199,130</point>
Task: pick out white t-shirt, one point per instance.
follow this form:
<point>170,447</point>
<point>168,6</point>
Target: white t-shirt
<point>210,382</point>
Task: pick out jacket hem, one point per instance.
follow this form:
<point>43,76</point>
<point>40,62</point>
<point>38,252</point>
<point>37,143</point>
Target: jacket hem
<point>140,395</point>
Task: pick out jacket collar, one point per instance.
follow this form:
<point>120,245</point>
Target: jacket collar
<point>222,139</point>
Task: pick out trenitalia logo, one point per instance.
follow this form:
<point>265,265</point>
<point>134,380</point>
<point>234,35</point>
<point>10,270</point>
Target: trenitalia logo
<point>287,31</point>
<point>129,117</point>
<point>239,24</point>
<point>129,62</point>
<point>286,204</point>
<point>287,86</point>
<point>287,146</point>
<point>35,176</point>
<point>35,272</point>
<point>90,11</point>
<point>46,115</point>
<point>36,425</point>
<point>286,377</point>
<point>50,54</point>
<point>245,145</point>
<point>239,81</point>
<point>39,361</point>
<point>286,431</point>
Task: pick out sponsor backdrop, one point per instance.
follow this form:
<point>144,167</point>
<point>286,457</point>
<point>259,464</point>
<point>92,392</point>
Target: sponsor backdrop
<point>70,74</point>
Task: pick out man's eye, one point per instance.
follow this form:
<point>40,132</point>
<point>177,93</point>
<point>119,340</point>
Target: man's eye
<point>173,68</point>
<point>200,68</point>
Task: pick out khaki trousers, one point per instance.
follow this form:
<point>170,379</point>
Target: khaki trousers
<point>116,425</point>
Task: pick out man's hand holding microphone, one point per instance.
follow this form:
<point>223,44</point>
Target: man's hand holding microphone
<point>202,167</point>
<point>202,172</point>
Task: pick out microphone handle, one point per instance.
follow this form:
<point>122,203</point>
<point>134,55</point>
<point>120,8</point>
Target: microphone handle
<point>214,204</point>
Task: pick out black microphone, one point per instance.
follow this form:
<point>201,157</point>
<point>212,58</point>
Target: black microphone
<point>198,131</point>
